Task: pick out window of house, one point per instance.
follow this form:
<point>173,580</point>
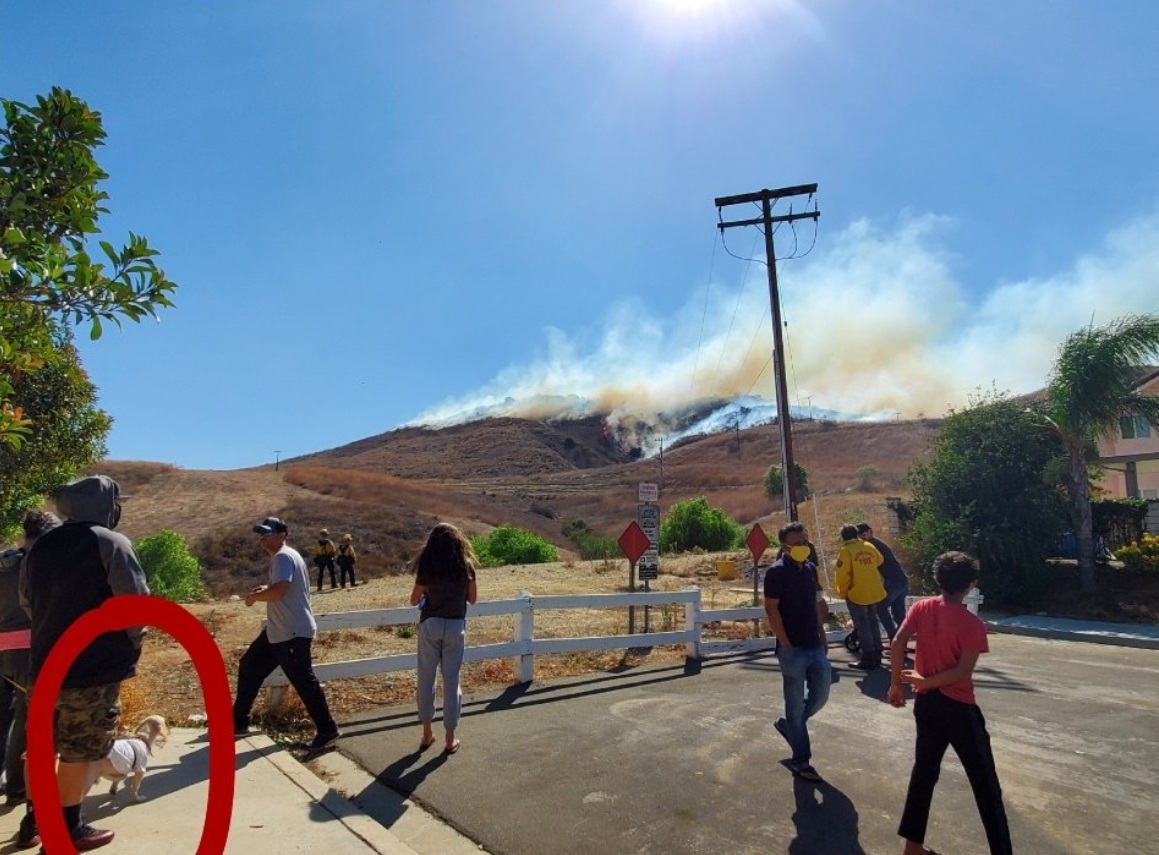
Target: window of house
<point>1150,494</point>
<point>1134,427</point>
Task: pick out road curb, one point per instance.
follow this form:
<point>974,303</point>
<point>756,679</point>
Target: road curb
<point>370,832</point>
<point>1067,635</point>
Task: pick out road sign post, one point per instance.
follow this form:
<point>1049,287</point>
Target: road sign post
<point>633,543</point>
<point>757,542</point>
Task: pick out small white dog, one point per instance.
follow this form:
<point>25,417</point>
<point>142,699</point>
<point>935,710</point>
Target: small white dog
<point>130,756</point>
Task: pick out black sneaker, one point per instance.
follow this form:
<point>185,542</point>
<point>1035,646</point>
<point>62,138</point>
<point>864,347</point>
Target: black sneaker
<point>13,799</point>
<point>27,835</point>
<point>323,741</point>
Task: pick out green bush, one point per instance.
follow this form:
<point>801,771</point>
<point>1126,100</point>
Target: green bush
<point>692,523</point>
<point>510,545</point>
<point>866,475</point>
<point>774,482</point>
<point>171,570</point>
<point>987,489</point>
<point>591,546</point>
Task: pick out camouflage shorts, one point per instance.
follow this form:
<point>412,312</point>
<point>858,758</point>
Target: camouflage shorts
<point>87,721</point>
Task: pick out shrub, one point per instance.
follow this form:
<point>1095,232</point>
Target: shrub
<point>590,545</point>
<point>865,476</point>
<point>510,545</point>
<point>987,490</point>
<point>171,570</point>
<point>774,482</point>
<point>1141,556</point>
<point>692,523</point>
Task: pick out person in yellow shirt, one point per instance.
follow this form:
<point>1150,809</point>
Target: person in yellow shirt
<point>859,581</point>
<point>346,560</point>
<point>324,554</point>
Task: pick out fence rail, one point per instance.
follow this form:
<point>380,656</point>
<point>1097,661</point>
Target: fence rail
<point>524,647</point>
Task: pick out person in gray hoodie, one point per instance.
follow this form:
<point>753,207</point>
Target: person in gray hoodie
<point>69,571</point>
<point>15,637</point>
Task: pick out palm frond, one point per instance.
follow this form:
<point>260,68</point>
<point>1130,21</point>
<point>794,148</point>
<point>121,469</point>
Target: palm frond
<point>1094,378</point>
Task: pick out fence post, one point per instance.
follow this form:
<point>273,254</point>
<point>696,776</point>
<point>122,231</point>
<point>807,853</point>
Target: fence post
<point>692,623</point>
<point>525,631</point>
<point>973,601</point>
<point>275,696</point>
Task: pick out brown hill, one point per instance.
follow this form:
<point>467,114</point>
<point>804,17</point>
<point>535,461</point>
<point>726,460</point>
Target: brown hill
<point>388,490</point>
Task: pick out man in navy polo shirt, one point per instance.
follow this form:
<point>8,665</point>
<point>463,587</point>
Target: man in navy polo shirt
<point>796,613</point>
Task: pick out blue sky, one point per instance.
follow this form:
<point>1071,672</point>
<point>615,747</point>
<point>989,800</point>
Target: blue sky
<point>381,212</point>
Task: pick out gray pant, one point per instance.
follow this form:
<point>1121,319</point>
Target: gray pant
<point>442,642</point>
<point>868,629</point>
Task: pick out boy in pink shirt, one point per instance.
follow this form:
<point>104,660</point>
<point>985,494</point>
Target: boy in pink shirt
<point>949,641</point>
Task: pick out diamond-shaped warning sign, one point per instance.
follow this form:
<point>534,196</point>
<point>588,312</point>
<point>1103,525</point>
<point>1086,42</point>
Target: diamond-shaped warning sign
<point>757,542</point>
<point>633,542</point>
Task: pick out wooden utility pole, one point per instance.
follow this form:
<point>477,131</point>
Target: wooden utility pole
<point>766,220</point>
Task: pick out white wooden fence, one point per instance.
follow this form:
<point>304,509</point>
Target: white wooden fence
<point>524,647</point>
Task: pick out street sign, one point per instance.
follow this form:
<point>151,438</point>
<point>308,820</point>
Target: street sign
<point>633,542</point>
<point>648,492</point>
<point>757,541</point>
<point>648,516</point>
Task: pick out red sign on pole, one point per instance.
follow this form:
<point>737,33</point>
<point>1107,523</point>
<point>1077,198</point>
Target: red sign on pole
<point>757,542</point>
<point>633,542</point>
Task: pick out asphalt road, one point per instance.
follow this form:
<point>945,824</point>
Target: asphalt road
<point>668,760</point>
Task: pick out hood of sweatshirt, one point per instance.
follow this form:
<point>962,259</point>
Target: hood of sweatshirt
<point>92,499</point>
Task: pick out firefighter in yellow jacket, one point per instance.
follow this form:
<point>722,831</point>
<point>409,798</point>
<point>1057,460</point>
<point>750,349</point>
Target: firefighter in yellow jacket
<point>324,553</point>
<point>859,581</point>
<point>346,560</point>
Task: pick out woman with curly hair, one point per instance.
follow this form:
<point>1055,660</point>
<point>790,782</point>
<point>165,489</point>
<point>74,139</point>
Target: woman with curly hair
<point>444,585</point>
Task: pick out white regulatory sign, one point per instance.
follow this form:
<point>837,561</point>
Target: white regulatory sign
<point>648,516</point>
<point>649,492</point>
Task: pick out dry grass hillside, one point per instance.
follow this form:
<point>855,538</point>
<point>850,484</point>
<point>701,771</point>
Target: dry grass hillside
<point>387,491</point>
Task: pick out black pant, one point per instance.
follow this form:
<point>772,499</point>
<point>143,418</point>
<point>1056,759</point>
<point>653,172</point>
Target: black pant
<point>345,566</point>
<point>325,562</point>
<point>13,721</point>
<point>941,722</point>
<point>295,660</point>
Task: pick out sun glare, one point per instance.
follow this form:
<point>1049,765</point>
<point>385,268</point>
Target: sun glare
<point>695,20</point>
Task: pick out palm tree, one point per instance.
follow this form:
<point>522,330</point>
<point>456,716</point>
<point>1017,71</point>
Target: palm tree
<point>1092,386</point>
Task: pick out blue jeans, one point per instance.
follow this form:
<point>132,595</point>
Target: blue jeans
<point>806,674</point>
<point>891,610</point>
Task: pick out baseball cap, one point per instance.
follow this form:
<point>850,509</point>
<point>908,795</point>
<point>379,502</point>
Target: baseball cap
<point>271,525</point>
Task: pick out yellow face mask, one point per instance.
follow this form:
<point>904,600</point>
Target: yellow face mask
<point>800,554</point>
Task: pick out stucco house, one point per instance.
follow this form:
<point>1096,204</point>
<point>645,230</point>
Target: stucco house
<point>1129,457</point>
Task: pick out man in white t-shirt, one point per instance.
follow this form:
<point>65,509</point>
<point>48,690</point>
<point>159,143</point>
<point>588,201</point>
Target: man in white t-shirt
<point>286,639</point>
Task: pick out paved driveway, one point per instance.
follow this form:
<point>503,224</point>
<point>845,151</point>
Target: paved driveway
<point>662,760</point>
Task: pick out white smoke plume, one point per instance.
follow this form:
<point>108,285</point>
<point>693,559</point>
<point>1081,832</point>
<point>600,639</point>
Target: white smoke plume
<point>877,324</point>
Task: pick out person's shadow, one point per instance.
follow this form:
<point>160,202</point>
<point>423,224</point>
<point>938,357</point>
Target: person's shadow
<point>826,821</point>
<point>874,684</point>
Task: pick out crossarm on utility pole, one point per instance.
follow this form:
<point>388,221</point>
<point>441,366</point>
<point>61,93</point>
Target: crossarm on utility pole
<point>762,195</point>
<point>783,218</point>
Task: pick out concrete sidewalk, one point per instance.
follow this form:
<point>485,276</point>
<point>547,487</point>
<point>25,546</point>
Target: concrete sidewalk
<point>1067,629</point>
<point>279,806</point>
